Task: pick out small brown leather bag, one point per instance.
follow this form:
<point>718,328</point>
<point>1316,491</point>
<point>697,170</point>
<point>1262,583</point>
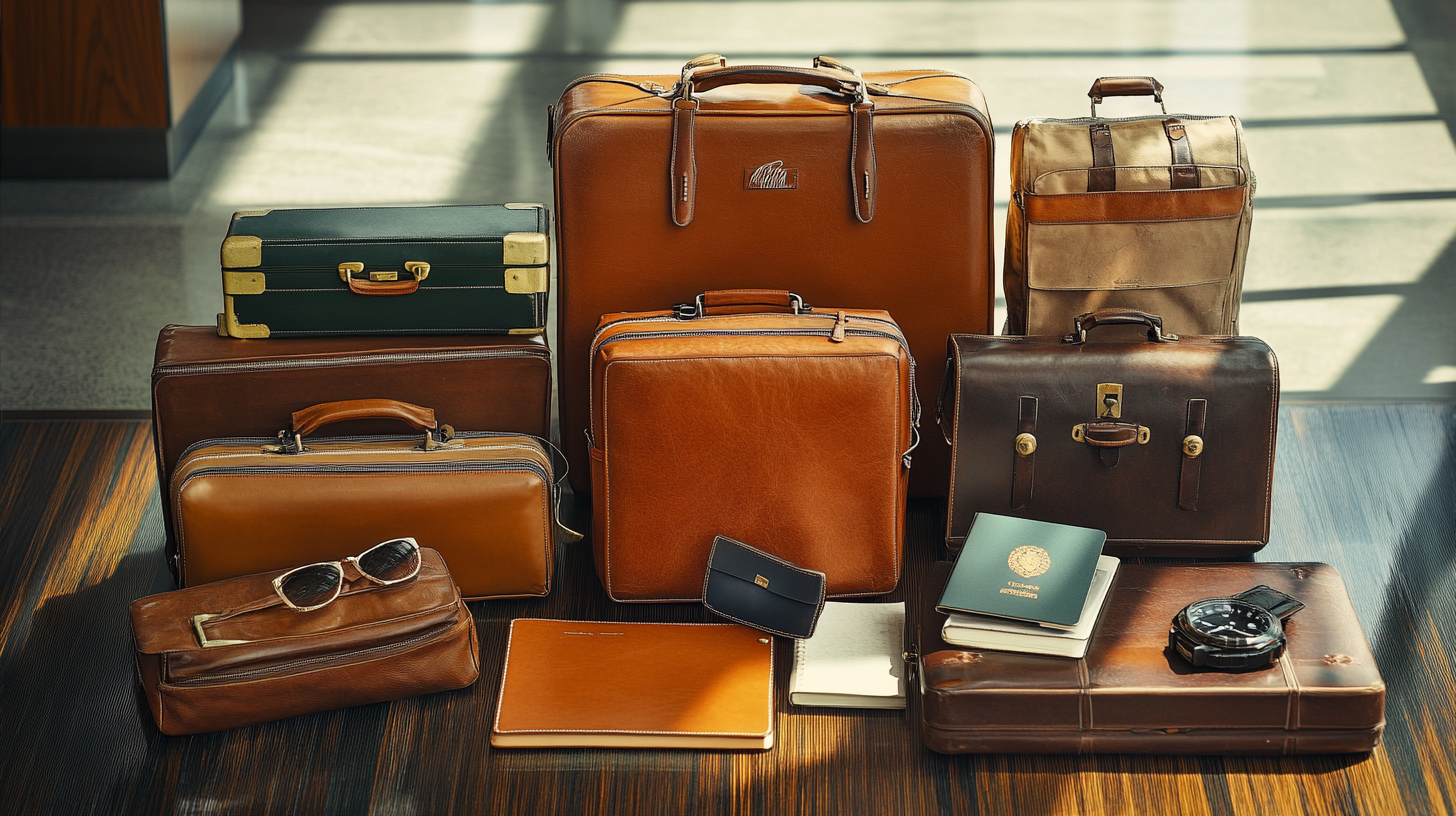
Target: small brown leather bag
<point>484,500</point>
<point>205,665</point>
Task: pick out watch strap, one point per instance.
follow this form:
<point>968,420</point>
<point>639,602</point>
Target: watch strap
<point>1280,605</point>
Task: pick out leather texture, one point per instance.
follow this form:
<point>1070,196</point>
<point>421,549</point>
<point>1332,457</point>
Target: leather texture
<point>1151,213</point>
<point>759,427</point>
<point>370,645</point>
<point>464,292</point>
<point>484,500</point>
<point>1131,695</point>
<point>1111,479</point>
<point>754,588</point>
<point>645,685</point>
<point>628,241</point>
<point>210,387</point>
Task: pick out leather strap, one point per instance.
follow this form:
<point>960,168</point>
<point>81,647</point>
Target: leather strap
<point>314,417</point>
<point>716,300</point>
<point>1279,605</point>
<point>367,287</point>
<point>683,164</point>
<point>862,161</point>
<point>1183,175</point>
<point>1192,464</point>
<point>1102,177</point>
<point>1023,468</point>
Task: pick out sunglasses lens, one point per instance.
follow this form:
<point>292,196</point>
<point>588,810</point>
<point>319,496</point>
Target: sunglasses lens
<point>391,561</point>
<point>313,585</point>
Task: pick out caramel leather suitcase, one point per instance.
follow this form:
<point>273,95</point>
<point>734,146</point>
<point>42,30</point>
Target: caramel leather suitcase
<point>209,387</point>
<point>1164,443</point>
<point>870,189</point>
<point>1131,695</point>
<point>1148,212</point>
<point>485,500</point>
<point>751,416</point>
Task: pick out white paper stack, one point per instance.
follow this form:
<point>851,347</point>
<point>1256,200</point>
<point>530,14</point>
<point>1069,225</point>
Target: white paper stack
<point>854,660</point>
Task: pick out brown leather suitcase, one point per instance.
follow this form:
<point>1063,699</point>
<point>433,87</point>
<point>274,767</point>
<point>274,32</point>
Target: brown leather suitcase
<point>484,500</point>
<point>788,430</point>
<point>210,387</point>
<point>1130,695</point>
<point>873,190</point>
<point>1165,443</point>
<point>1145,212</point>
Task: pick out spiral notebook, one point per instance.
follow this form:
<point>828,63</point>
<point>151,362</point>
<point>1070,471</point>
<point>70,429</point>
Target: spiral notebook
<point>854,660</point>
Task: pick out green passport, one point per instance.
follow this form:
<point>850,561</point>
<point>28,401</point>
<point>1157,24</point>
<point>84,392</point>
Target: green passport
<point>1022,569</point>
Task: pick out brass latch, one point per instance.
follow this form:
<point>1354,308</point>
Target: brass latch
<point>1109,400</point>
<point>351,269</point>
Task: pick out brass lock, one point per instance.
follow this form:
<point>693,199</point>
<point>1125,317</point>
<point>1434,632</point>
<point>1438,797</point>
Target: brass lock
<point>1109,400</point>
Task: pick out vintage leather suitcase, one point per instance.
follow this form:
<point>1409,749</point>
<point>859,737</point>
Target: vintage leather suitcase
<point>369,645</point>
<point>386,270</point>
<point>791,429</point>
<point>1130,695</point>
<point>209,387</point>
<point>484,500</point>
<point>873,190</point>
<point>1149,212</point>
<point>1166,444</point>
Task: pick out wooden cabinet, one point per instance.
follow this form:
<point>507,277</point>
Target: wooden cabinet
<point>110,88</point>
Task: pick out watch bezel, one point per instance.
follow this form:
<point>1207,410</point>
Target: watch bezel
<point>1273,633</point>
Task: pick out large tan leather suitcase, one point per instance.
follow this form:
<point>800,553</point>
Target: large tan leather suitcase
<point>1131,695</point>
<point>761,420</point>
<point>1166,443</point>
<point>1149,213</point>
<point>484,500</point>
<point>873,190</point>
<point>210,387</point>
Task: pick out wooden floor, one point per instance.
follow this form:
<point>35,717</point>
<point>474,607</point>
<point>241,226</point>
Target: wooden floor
<point>1369,488</point>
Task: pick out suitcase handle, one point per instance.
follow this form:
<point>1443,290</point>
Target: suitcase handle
<point>1115,316</point>
<point>741,301</point>
<point>312,418</point>
<point>1126,86</point>
<point>833,79</point>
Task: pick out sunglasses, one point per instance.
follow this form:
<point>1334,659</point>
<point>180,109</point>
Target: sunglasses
<point>317,585</point>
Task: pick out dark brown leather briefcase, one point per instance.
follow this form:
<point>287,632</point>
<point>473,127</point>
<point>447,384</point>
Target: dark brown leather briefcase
<point>1166,444</point>
<point>210,387</point>
<point>871,189</point>
<point>1130,695</point>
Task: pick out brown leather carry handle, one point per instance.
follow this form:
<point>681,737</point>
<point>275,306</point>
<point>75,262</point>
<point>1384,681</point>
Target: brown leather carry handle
<point>1116,316</point>
<point>368,287</point>
<point>314,417</point>
<point>741,301</point>
<point>706,79</point>
<point>1125,86</point>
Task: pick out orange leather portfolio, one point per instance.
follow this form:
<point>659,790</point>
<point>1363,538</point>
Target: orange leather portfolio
<point>580,684</point>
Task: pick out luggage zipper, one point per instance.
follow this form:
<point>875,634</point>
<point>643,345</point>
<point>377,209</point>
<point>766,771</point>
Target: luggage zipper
<point>319,661</point>
<point>343,362</point>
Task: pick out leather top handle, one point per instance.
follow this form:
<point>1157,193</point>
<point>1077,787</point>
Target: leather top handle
<point>742,301</point>
<point>1115,316</point>
<point>326,413</point>
<point>1125,86</point>
<point>711,71</point>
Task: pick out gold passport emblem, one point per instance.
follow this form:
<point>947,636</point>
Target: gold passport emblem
<point>761,581</point>
<point>1029,562</point>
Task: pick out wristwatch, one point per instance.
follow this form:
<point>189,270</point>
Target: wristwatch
<point>1239,633</point>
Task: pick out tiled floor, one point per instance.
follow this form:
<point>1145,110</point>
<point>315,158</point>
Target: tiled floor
<point>1350,107</point>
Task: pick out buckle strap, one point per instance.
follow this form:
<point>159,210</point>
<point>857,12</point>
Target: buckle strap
<point>1023,466</point>
<point>1102,178</point>
<point>1183,175</point>
<point>1188,477</point>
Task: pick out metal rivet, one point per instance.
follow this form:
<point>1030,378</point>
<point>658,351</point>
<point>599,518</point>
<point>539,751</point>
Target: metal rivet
<point>1025,444</point>
<point>1192,445</point>
<point>1144,434</point>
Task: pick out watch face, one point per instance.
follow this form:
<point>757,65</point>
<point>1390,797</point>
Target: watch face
<point>1230,622</point>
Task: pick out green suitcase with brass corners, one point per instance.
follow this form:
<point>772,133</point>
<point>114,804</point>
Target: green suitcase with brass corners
<point>480,269</point>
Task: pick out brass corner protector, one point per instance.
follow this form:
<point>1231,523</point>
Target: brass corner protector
<point>245,331</point>
<point>529,281</point>
<point>243,283</point>
<point>242,251</point>
<point>525,249</point>
<point>221,325</point>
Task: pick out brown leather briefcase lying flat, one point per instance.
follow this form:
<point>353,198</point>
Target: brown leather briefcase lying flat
<point>1147,212</point>
<point>749,415</point>
<point>210,387</point>
<point>1131,695</point>
<point>206,665</point>
<point>484,500</point>
<point>870,189</point>
<point>1165,443</point>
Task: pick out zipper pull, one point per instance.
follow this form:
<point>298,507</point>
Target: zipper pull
<point>837,336</point>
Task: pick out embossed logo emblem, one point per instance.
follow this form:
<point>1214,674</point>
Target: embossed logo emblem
<point>761,581</point>
<point>771,176</point>
<point>1029,562</point>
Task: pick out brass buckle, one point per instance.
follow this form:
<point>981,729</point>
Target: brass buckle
<point>203,639</point>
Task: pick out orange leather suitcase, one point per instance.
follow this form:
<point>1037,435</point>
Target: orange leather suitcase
<point>751,415</point>
<point>870,189</point>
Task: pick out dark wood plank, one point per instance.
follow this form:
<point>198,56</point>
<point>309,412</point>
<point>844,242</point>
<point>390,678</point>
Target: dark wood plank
<point>1368,488</point>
